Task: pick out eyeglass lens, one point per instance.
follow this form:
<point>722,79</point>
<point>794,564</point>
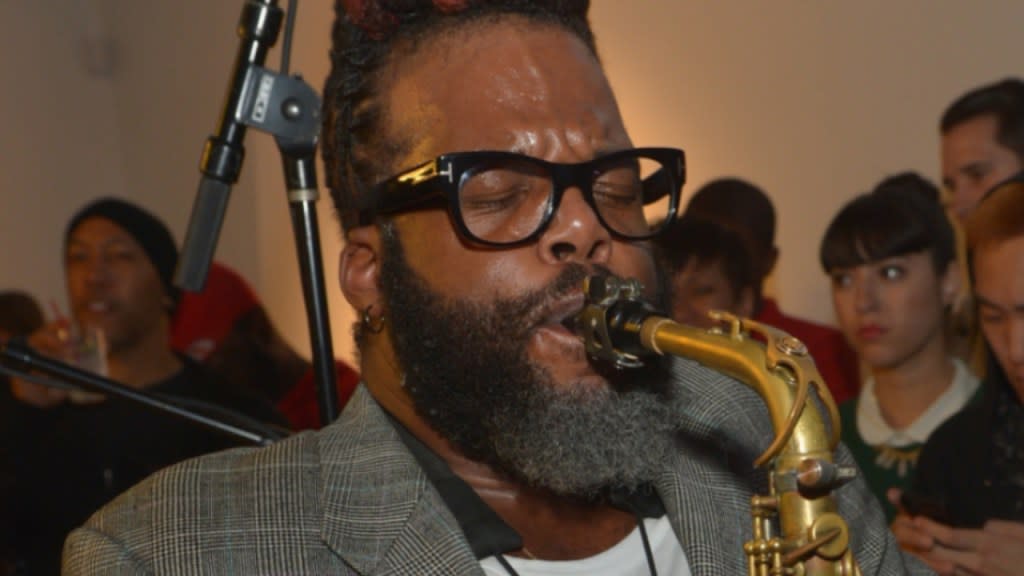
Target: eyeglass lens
<point>508,200</point>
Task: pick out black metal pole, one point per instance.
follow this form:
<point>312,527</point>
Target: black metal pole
<point>300,175</point>
<point>20,360</point>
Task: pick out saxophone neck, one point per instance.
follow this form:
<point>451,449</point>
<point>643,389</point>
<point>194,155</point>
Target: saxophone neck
<point>617,326</point>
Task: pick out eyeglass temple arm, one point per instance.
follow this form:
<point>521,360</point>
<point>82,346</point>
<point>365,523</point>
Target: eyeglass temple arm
<point>657,186</point>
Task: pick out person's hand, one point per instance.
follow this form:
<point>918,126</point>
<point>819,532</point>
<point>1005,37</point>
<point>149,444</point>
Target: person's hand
<point>47,341</point>
<point>919,535</point>
<point>995,550</point>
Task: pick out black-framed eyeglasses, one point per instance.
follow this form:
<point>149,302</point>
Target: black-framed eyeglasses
<point>507,199</point>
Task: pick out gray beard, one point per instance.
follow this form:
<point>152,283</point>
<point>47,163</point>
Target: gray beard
<point>585,442</point>
<point>470,378</point>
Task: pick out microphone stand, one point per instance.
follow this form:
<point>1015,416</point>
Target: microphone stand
<point>20,360</point>
<point>289,109</point>
<point>300,175</point>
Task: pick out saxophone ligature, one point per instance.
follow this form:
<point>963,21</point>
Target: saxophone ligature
<point>618,326</point>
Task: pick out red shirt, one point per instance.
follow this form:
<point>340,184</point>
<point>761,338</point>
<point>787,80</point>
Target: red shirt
<point>301,405</point>
<point>204,319</point>
<point>834,359</point>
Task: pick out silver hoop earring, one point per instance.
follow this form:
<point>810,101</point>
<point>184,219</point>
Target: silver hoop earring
<point>374,325</point>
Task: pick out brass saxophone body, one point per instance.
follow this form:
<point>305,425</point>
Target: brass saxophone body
<point>812,538</point>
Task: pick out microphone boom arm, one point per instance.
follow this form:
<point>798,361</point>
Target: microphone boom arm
<point>18,359</point>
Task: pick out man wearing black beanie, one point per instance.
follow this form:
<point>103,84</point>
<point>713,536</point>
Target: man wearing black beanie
<point>119,260</point>
<point>147,230</point>
<point>76,452</point>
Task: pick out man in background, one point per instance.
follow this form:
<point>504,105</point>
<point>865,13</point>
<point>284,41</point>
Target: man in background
<point>708,268</point>
<point>75,452</point>
<point>746,210</point>
<point>982,142</point>
<point>226,328</point>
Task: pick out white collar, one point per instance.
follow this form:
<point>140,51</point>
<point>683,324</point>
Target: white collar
<point>876,432</point>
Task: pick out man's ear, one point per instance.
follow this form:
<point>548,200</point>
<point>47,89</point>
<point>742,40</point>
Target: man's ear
<point>359,267</point>
<point>745,303</point>
<point>773,259</point>
<point>951,283</point>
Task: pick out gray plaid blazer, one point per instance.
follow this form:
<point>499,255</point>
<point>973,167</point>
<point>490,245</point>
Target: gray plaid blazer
<point>351,499</point>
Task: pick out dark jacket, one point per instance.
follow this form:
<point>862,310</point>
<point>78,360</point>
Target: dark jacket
<point>70,460</point>
<point>959,476</point>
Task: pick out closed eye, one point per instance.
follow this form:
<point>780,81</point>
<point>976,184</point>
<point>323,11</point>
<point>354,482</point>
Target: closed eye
<point>494,201</point>
<point>617,195</point>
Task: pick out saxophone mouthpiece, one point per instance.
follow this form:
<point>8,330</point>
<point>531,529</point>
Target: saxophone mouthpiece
<point>610,320</point>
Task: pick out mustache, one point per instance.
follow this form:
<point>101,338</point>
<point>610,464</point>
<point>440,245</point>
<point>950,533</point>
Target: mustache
<point>533,307</point>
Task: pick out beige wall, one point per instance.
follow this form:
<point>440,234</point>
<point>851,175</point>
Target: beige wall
<point>816,101</point>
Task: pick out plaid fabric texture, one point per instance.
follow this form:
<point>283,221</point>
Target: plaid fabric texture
<point>350,499</point>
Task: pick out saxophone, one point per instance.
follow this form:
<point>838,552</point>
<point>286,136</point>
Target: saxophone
<point>618,326</point>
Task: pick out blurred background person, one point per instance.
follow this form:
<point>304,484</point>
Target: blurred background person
<point>227,328</point>
<point>708,268</point>
<point>971,471</point>
<point>746,210</point>
<point>891,258</point>
<point>20,315</point>
<point>72,454</point>
<point>982,142</point>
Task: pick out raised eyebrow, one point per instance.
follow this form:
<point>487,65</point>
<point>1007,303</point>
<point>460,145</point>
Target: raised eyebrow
<point>986,303</point>
<point>76,245</point>
<point>976,166</point>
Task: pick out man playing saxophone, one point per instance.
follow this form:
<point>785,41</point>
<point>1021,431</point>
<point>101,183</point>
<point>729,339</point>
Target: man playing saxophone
<point>482,171</point>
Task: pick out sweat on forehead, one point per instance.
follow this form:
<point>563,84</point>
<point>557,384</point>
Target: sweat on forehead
<point>496,72</point>
<point>355,152</point>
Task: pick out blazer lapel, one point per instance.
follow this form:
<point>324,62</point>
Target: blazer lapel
<point>707,491</point>
<point>703,503</point>
<point>380,512</point>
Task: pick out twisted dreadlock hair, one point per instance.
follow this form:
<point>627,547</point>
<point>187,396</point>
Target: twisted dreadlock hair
<point>366,36</point>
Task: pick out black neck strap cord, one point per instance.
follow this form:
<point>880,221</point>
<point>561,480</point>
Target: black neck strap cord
<point>643,536</point>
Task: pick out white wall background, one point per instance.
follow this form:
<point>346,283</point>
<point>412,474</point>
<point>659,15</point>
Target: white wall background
<point>815,101</point>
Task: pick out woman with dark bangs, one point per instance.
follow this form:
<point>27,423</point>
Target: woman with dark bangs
<point>891,257</point>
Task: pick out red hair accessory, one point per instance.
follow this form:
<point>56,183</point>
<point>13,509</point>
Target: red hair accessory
<point>450,6</point>
<point>370,16</point>
<point>377,20</point>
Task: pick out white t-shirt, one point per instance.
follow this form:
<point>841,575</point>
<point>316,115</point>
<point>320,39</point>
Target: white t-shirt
<point>627,558</point>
